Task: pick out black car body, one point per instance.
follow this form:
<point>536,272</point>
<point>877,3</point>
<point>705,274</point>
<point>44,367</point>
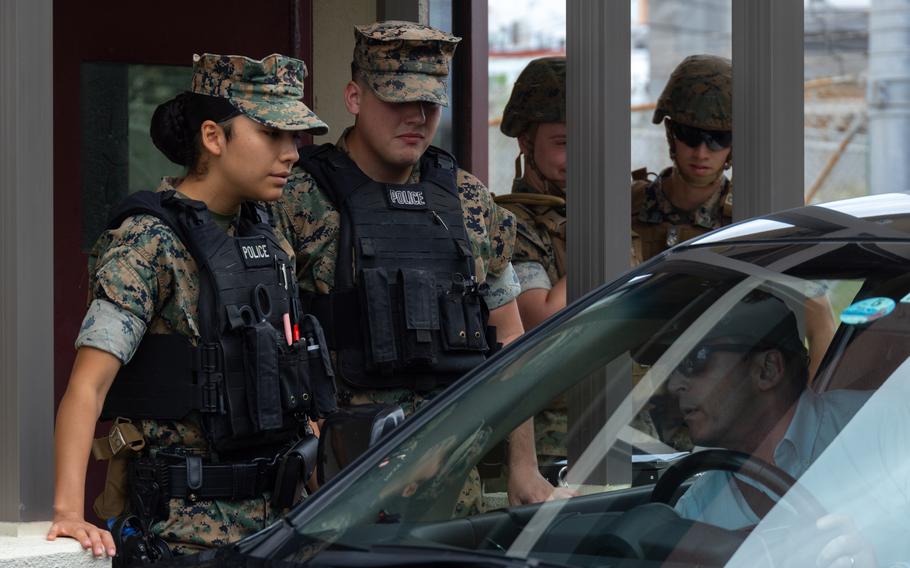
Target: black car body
<point>847,504</point>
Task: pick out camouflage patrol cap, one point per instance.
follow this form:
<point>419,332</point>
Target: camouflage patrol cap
<point>268,90</point>
<point>404,61</point>
<point>699,93</point>
<point>539,95</point>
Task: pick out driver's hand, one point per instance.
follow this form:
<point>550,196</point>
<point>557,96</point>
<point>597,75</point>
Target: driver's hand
<point>527,485</point>
<point>846,547</point>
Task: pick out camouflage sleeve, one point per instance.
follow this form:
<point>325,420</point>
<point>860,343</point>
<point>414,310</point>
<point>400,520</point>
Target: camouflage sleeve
<point>502,288</point>
<point>532,275</point>
<point>310,223</point>
<point>132,263</point>
<point>110,328</point>
<point>491,228</point>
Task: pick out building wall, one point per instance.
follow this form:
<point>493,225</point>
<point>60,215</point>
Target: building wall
<point>333,43</point>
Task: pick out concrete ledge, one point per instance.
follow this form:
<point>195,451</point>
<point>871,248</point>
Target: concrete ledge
<point>23,545</point>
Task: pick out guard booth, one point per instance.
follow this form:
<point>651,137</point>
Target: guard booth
<point>80,81</point>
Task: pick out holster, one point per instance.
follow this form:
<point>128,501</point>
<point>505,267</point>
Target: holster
<point>296,466</point>
<point>123,443</point>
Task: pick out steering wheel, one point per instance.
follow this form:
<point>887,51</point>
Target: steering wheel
<point>652,531</point>
<point>770,476</point>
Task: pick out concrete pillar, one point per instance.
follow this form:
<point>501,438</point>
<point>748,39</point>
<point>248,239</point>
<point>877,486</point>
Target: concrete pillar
<point>26,261</point>
<point>888,95</point>
<point>598,53</point>
<point>768,117</point>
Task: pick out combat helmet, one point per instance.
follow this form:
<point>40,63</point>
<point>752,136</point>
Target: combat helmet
<point>699,93</point>
<point>539,95</point>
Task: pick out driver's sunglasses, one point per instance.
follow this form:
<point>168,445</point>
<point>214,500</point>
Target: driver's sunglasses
<point>696,361</point>
<point>693,137</point>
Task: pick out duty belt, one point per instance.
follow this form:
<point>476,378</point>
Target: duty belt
<point>194,481</point>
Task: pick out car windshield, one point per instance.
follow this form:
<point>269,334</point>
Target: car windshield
<point>771,377</point>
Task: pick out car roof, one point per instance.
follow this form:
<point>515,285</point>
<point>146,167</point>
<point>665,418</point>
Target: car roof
<point>872,218</point>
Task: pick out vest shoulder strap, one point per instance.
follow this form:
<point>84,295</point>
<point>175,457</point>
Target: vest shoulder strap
<point>159,204</point>
<point>639,189</point>
<point>439,167</point>
<point>334,171</point>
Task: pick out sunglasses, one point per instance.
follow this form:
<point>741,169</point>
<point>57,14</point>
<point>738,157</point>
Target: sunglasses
<point>696,361</point>
<point>693,137</point>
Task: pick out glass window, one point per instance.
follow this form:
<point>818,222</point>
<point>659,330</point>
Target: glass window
<point>519,32</point>
<point>441,18</point>
<point>837,72</point>
<point>719,345</point>
<point>664,32</point>
<point>118,157</point>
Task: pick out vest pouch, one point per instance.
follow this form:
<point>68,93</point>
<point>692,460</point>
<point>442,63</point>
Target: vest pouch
<point>260,361</point>
<point>294,375</point>
<point>420,303</point>
<point>454,328</point>
<point>322,376</point>
<point>475,329</point>
<point>377,305</point>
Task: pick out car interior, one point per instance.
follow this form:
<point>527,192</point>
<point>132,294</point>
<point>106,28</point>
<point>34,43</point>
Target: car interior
<point>637,525</point>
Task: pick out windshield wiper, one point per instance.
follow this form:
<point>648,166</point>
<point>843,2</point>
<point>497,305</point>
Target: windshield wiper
<point>389,555</point>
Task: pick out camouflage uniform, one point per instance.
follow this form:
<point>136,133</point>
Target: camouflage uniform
<point>698,94</point>
<point>658,224</point>
<point>401,62</point>
<point>539,96</point>
<point>144,280</point>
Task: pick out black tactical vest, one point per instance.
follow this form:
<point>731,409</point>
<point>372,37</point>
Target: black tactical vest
<point>406,309</point>
<point>249,386</point>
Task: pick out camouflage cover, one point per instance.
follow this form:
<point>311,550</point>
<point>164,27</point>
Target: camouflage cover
<point>268,90</point>
<point>144,269</point>
<point>404,61</point>
<point>699,93</point>
<point>539,95</point>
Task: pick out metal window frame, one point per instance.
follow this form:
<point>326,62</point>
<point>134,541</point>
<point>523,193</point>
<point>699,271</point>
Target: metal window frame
<point>768,106</point>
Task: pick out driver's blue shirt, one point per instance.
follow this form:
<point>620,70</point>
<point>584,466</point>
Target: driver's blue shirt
<point>714,498</point>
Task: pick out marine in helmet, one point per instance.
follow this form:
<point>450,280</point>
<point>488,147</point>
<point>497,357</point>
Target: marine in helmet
<point>693,196</point>
<point>536,116</point>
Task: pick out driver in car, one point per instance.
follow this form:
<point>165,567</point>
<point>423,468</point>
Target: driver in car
<point>743,388</point>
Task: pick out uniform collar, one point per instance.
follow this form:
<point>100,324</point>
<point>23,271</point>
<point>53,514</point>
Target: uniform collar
<point>657,207</point>
<point>225,222</point>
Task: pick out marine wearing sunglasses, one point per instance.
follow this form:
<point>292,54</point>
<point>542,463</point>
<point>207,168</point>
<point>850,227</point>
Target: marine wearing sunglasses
<point>693,137</point>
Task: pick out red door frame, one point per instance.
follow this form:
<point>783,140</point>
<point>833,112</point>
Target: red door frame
<point>166,32</point>
<point>471,92</point>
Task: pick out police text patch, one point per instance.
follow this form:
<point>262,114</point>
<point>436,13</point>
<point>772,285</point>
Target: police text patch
<point>254,251</point>
<point>406,197</point>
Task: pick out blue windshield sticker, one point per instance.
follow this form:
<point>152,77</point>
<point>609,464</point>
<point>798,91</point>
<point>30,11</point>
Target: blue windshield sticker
<point>867,310</point>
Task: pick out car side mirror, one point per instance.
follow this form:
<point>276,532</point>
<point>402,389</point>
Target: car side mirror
<point>349,432</point>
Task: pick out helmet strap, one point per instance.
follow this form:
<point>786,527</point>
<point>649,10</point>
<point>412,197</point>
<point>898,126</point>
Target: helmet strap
<point>549,186</point>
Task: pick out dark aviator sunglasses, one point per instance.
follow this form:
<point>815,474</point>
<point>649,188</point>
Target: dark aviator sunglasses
<point>693,137</point>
